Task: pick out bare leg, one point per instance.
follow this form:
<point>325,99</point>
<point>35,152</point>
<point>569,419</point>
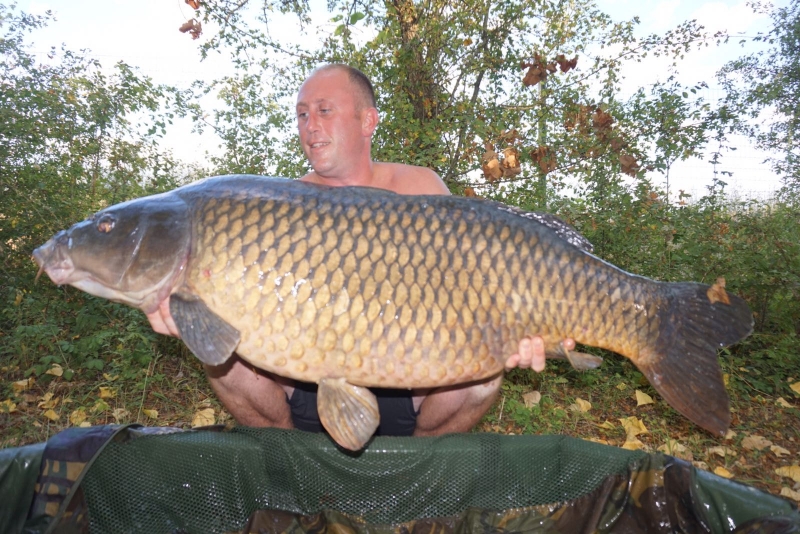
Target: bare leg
<point>252,396</point>
<point>454,408</point>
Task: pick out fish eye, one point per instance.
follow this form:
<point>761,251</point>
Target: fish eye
<point>105,223</point>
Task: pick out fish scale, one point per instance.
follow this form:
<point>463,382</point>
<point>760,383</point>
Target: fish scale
<point>352,287</point>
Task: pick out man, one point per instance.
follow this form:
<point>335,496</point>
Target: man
<point>336,117</point>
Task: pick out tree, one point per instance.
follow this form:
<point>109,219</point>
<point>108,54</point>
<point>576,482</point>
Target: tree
<point>763,92</point>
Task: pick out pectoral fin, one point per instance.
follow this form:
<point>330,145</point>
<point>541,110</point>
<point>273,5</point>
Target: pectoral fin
<point>349,413</point>
<point>580,361</point>
<point>206,334</point>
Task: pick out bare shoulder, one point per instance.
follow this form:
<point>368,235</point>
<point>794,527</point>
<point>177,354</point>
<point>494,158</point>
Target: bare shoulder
<point>410,179</point>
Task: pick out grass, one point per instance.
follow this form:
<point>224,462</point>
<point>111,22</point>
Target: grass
<point>175,387</point>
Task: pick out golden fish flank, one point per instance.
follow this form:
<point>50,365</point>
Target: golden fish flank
<point>382,289</point>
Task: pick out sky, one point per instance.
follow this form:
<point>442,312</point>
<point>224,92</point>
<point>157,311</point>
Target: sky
<point>145,34</point>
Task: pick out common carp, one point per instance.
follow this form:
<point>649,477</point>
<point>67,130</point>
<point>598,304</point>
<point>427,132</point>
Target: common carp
<point>357,287</point>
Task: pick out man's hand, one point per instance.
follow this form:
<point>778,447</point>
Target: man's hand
<point>161,320</point>
<point>531,353</point>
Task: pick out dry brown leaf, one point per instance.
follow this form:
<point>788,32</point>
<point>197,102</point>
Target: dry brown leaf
<point>607,425</point>
<point>7,406</point>
<point>77,417</point>
<point>107,393</point>
<point>791,471</point>
<point>120,413</point>
<point>755,442</point>
<point>729,435</point>
<point>580,405</point>
<point>22,385</point>
<point>633,444</point>
<point>722,472</point>
<point>779,451</point>
<point>544,158</point>
<point>676,449</point>
<point>534,75</point>
<point>194,4</point>
<point>50,414</point>
<point>566,64</point>
<point>716,293</point>
<point>192,26</point>
<point>643,398</point>
<point>790,493</point>
<point>531,398</point>
<point>633,426</point>
<point>203,417</point>
<point>491,170</point>
<point>629,164</point>
<point>55,370</point>
<point>470,192</point>
<point>721,451</point>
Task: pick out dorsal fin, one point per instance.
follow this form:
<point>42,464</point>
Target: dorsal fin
<point>559,226</point>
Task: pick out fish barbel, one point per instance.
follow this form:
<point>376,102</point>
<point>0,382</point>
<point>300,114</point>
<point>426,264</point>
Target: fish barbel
<point>357,287</point>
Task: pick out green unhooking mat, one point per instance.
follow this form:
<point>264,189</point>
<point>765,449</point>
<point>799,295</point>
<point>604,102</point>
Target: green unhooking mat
<point>161,480</point>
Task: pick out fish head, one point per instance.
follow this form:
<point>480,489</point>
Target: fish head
<point>132,252</point>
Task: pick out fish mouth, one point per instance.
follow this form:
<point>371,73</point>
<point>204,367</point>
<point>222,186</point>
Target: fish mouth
<point>51,260</point>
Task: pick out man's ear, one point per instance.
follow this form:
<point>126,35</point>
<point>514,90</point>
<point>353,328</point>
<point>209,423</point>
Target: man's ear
<point>369,121</point>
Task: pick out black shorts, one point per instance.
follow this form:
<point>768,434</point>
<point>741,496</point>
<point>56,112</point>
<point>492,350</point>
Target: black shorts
<point>396,408</point>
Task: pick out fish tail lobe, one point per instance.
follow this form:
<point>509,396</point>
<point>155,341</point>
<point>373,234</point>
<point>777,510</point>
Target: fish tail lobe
<point>680,359</point>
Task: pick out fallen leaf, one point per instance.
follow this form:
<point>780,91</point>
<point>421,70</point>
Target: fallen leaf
<point>581,406</point>
<point>643,398</point>
<point>100,406</point>
<point>203,417</point>
<point>786,492</point>
<point>7,406</point>
<point>633,444</point>
<point>598,440</point>
<point>607,425</point>
<point>77,417</point>
<point>120,413</point>
<point>633,426</point>
<point>622,386</point>
<point>700,465</point>
<point>791,471</point>
<point>531,398</point>
<point>107,393</point>
<point>721,451</point>
<point>110,378</point>
<point>779,451</point>
<point>48,401</point>
<point>783,403</point>
<point>795,387</point>
<point>85,424</point>
<point>676,449</point>
<point>55,370</point>
<point>755,442</point>
<point>717,293</point>
<point>730,434</point>
<point>152,414</point>
<point>722,472</point>
<point>50,414</point>
<point>22,385</point>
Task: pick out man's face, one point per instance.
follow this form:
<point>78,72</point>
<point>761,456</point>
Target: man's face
<point>330,128</point>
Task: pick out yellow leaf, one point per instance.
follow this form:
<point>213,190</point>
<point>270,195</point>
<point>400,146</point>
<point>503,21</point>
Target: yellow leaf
<point>722,472</point>
<point>633,426</point>
<point>755,442</point>
<point>22,385</point>
<point>56,370</point>
<point>581,406</point>
<point>729,435</point>
<point>77,417</point>
<point>85,424</point>
<point>726,378</point>
<point>722,451</point>
<point>779,451</point>
<point>796,387</point>
<point>598,440</point>
<point>100,406</point>
<point>621,386</point>
<point>607,425</point>
<point>633,444</point>
<point>109,377</point>
<point>46,397</point>
<point>676,449</point>
<point>7,406</point>
<point>531,398</point>
<point>643,398</point>
<point>791,471</point>
<point>152,414</point>
<point>107,393</point>
<point>48,401</point>
<point>50,414</point>
<point>203,417</point>
<point>783,403</point>
<point>120,413</point>
<point>786,492</point>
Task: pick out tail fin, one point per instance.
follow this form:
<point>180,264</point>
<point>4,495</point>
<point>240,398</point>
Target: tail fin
<point>695,321</point>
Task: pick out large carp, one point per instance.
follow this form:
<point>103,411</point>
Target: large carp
<point>357,287</point>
